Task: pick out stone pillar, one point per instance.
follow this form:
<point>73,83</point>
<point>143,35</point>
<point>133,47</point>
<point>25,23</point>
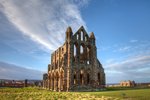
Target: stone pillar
<point>65,85</point>
<point>63,81</point>
<point>54,83</point>
<point>50,83</point>
<point>68,80</point>
<point>70,57</point>
<point>59,83</point>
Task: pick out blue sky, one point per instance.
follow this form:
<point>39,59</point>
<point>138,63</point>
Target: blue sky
<point>31,30</point>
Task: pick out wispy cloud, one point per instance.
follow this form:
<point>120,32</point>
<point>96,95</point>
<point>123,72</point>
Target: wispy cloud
<point>134,67</point>
<point>130,47</point>
<point>131,61</point>
<point>11,71</point>
<point>132,41</point>
<point>126,48</point>
<point>44,21</point>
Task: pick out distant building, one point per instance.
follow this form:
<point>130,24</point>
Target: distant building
<point>45,80</point>
<point>25,83</point>
<point>127,83</point>
<point>75,65</point>
<point>143,84</point>
<point>19,83</point>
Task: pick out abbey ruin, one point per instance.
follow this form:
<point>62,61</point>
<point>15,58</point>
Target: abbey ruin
<point>74,66</point>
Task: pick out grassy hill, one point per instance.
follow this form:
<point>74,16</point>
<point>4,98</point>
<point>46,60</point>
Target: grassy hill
<point>39,94</point>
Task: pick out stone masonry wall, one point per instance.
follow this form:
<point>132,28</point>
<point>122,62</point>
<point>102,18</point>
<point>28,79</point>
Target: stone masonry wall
<point>74,66</point>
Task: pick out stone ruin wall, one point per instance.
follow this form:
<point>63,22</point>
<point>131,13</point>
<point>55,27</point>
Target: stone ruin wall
<point>75,65</point>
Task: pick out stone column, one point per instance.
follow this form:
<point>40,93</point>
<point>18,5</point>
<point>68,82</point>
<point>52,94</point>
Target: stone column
<point>54,83</point>
<point>65,80</point>
<point>59,83</point>
<point>70,56</point>
<point>50,83</point>
<point>62,85</point>
<point>68,80</point>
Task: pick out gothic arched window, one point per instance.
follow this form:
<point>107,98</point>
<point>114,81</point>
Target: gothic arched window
<point>82,36</point>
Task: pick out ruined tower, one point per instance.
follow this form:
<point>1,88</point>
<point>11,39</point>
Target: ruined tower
<point>74,66</point>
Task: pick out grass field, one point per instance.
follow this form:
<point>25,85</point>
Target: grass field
<point>39,94</point>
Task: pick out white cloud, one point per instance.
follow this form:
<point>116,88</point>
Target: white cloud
<point>133,63</point>
<point>43,21</point>
<point>81,2</point>
<point>133,41</point>
<point>131,47</point>
<point>11,71</point>
<point>130,68</point>
<point>124,48</point>
<point>128,61</point>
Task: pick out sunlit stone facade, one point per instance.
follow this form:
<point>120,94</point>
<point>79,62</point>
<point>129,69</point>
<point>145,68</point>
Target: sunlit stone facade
<point>74,66</point>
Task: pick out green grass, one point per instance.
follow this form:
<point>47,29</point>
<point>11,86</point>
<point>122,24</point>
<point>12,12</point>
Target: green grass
<point>133,94</point>
<point>39,94</point>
